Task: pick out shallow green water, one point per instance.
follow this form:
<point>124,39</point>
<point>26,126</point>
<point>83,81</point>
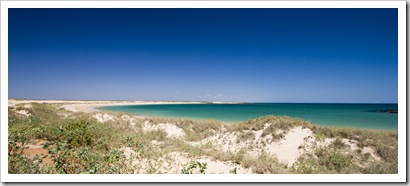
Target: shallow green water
<point>353,115</point>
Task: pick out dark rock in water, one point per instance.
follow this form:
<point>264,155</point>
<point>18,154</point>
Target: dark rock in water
<point>389,111</point>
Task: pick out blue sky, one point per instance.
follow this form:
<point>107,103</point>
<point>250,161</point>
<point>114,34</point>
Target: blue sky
<point>253,55</point>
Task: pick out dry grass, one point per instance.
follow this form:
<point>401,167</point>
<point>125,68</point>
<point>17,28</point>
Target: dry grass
<point>264,164</point>
<point>245,136</point>
<point>277,122</point>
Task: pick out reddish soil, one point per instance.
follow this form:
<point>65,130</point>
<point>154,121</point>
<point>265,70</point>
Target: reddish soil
<point>36,147</point>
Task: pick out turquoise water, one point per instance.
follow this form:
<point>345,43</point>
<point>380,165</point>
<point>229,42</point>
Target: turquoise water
<point>353,115</point>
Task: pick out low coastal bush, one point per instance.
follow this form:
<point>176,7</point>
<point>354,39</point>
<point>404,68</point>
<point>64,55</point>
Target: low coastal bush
<point>264,164</point>
<point>383,141</point>
<point>193,165</point>
<point>74,145</point>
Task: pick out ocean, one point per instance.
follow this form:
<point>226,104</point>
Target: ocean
<point>351,115</point>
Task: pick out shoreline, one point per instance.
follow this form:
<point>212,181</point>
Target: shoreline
<point>89,106</point>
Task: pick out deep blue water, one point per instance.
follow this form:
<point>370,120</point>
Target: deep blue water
<point>353,115</point>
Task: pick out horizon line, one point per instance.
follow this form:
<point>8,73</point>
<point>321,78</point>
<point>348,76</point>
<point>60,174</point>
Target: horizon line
<point>243,102</point>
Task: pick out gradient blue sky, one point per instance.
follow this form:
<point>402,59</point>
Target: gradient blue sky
<point>253,55</point>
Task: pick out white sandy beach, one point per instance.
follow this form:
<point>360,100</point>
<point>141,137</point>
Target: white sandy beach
<point>89,106</point>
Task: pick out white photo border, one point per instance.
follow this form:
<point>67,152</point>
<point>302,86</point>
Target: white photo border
<point>400,177</point>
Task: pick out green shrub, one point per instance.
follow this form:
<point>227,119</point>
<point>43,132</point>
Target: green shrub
<point>334,161</point>
<point>19,164</point>
<point>338,144</point>
<point>306,166</point>
<point>264,164</point>
<point>79,134</point>
<point>193,165</point>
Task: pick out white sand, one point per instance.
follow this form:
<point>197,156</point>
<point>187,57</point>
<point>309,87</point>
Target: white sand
<point>174,162</point>
<point>287,149</point>
<point>103,117</point>
<point>170,129</point>
<point>23,112</point>
<point>92,105</point>
<point>13,102</point>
